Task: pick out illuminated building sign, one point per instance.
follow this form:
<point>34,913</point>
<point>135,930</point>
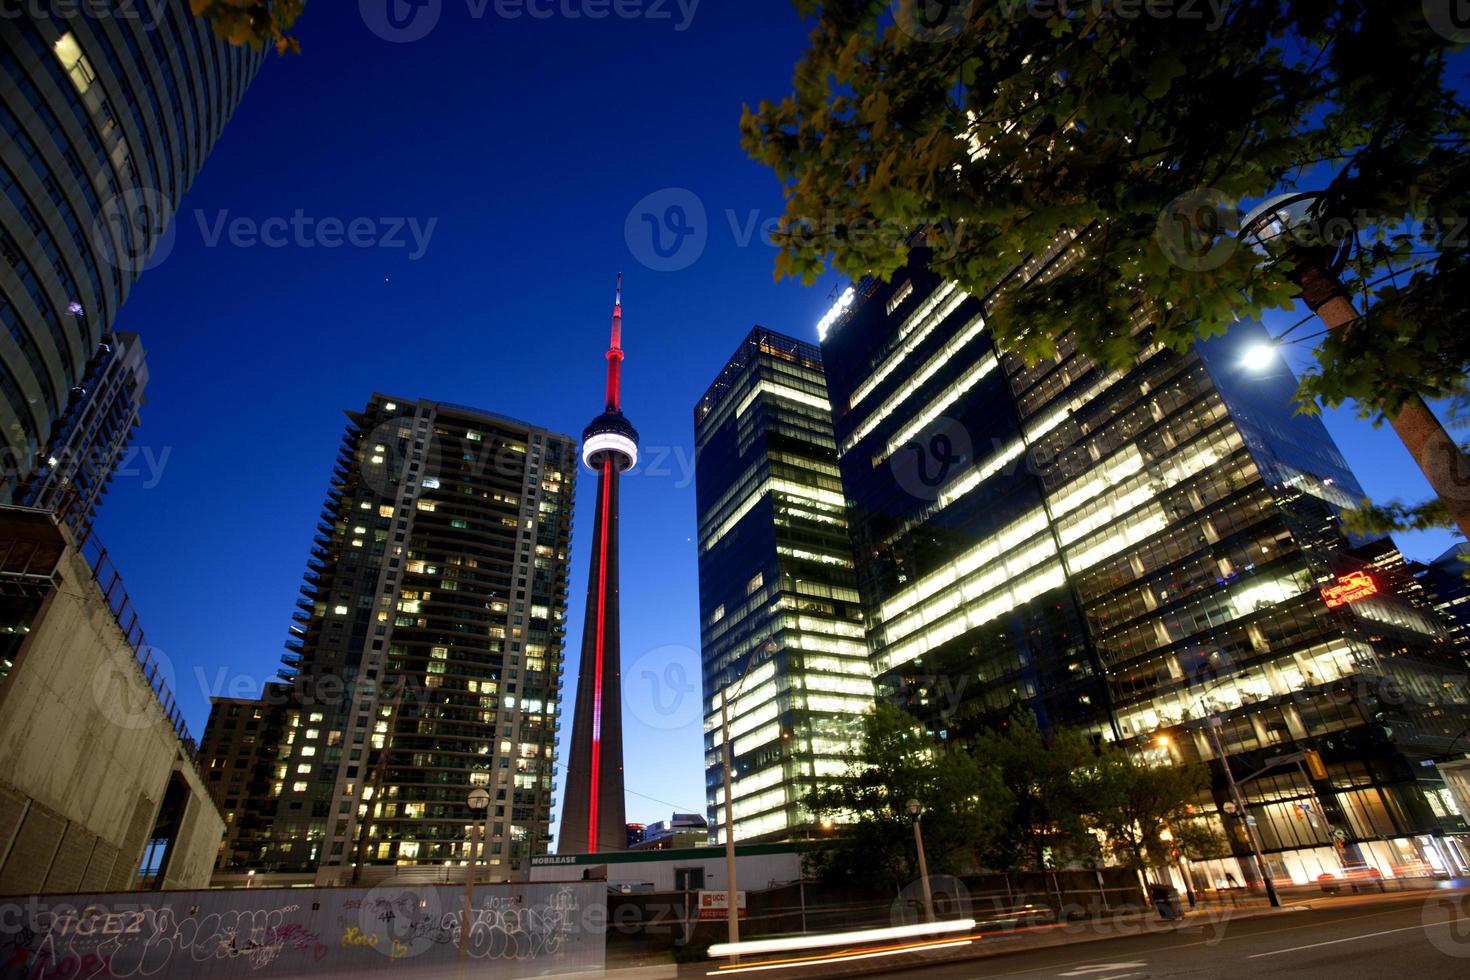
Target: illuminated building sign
<point>1352,587</point>
<point>838,308</point>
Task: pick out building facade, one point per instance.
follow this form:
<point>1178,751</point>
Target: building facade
<point>781,627</point>
<point>426,656</point>
<point>91,436</point>
<point>244,742</point>
<point>104,123</point>
<point>1448,590</point>
<point>1138,553</point>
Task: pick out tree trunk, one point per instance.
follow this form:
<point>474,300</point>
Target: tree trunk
<point>1441,460</point>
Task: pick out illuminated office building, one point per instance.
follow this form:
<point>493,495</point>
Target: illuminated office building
<point>427,652</point>
<point>780,624</point>
<point>1133,552</point>
<point>105,119</point>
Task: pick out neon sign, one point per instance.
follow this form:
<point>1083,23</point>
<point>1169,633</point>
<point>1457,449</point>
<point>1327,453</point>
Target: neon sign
<point>835,313</point>
<point>1352,587</point>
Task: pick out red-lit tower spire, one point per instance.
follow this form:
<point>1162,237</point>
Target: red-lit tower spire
<point>593,816</point>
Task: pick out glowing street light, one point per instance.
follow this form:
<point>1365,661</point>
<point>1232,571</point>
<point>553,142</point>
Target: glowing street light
<point>1259,357</point>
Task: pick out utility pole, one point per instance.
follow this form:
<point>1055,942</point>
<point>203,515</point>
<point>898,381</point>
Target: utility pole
<point>732,913</point>
<point>1214,724</point>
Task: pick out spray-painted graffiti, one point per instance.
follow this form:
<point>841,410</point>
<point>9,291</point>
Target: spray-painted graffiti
<point>529,929</point>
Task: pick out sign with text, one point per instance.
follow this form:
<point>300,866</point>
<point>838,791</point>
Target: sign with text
<point>1352,587</point>
<point>716,904</point>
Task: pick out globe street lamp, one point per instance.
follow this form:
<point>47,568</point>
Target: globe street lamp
<point>915,809</point>
<point>479,802</point>
<point>1293,227</point>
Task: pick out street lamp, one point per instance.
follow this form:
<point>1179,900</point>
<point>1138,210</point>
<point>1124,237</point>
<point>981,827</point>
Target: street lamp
<point>916,809</point>
<point>732,911</point>
<point>479,801</point>
<point>1214,724</point>
<point>1293,227</point>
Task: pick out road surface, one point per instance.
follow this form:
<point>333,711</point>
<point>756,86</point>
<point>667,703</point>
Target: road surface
<point>1423,936</point>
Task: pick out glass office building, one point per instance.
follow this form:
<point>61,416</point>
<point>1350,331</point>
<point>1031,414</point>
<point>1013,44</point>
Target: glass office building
<point>1135,552</point>
<point>427,653</point>
<point>104,122</point>
<point>781,627</point>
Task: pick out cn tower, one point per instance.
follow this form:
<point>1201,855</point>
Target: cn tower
<point>592,816</point>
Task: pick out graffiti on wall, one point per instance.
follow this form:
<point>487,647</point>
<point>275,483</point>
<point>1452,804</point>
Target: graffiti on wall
<point>526,930</point>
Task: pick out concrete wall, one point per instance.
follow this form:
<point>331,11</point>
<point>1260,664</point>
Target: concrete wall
<point>86,755</point>
<point>515,931</point>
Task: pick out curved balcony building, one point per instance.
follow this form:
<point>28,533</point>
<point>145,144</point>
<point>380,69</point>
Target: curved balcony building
<point>104,123</point>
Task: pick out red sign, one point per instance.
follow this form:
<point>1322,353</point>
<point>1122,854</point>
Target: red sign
<point>1352,587</point>
<point>716,905</point>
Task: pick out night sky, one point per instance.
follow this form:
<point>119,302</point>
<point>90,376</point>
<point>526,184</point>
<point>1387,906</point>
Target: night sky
<point>502,166</point>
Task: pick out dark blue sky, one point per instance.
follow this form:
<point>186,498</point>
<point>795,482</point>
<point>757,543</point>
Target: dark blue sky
<point>527,143</point>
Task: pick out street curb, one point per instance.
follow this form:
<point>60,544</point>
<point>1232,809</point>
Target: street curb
<point>993,945</point>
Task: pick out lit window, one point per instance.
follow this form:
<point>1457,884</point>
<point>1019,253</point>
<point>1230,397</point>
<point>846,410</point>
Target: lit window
<point>340,610</point>
<point>69,53</point>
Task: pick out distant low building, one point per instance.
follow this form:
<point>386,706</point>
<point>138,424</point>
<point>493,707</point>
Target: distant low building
<point>636,833</point>
<point>679,831</point>
<point>98,785</point>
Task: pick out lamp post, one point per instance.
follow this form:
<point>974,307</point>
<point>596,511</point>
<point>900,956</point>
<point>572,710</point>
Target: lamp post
<point>479,801</point>
<point>916,809</point>
<point>1214,724</point>
<point>732,911</point>
<point>1290,227</point>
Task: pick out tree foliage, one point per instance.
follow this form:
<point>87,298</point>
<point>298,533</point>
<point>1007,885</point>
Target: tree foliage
<point>1002,125</point>
<point>1044,828</point>
<point>964,806</point>
<point>1130,805</point>
<point>1017,799</point>
<point>253,22</point>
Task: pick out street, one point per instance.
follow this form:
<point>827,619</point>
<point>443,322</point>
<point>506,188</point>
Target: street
<point>1424,936</point>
